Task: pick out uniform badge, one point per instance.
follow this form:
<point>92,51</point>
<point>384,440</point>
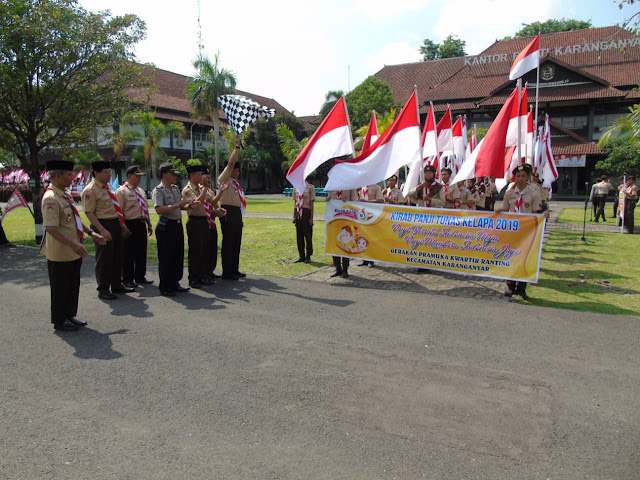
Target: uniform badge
<point>527,205</point>
<point>87,196</point>
<point>68,218</point>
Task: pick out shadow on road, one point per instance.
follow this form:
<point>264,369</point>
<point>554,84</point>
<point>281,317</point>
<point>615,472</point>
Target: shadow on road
<point>90,343</point>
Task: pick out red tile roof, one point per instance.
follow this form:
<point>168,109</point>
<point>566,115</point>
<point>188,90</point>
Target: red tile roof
<point>595,52</point>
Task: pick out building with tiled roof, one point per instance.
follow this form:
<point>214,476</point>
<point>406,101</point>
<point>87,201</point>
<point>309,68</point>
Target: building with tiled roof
<point>587,79</point>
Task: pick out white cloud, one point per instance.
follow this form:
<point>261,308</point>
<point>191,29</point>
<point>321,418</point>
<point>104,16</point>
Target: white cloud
<point>382,9</point>
<point>391,54</point>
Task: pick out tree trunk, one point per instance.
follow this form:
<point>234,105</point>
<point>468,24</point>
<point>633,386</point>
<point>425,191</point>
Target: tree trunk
<point>216,137</point>
<point>154,167</point>
<point>34,173</point>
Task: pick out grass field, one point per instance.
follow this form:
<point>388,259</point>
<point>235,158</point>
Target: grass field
<point>576,215</point>
<point>602,275</point>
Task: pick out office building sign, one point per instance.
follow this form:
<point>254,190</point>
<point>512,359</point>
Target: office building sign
<point>567,161</point>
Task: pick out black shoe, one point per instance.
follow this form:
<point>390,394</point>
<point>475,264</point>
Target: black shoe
<point>167,293</point>
<point>75,321</point>
<point>66,326</point>
<point>299,260</point>
<point>195,284</point>
<point>182,289</point>
<point>371,264</point>
<point>130,284</point>
<point>214,276</point>
<point>206,281</point>
<point>240,274</point>
<point>508,293</point>
<point>522,293</point>
<point>307,260</point>
<point>123,289</point>
<point>337,273</point>
<point>229,277</point>
<point>107,296</point>
<point>344,273</point>
<point>363,263</point>
<point>144,281</point>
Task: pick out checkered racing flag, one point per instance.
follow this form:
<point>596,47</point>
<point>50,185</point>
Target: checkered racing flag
<point>242,111</point>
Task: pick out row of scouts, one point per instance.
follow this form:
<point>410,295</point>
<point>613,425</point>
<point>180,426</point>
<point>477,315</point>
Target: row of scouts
<point>120,224</point>
<point>598,198</point>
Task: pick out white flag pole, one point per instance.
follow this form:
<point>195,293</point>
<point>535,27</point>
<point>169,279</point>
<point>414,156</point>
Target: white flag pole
<point>537,85</point>
<point>519,85</point>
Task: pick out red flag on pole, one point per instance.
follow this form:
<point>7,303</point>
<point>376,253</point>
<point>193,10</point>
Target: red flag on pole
<point>16,200</point>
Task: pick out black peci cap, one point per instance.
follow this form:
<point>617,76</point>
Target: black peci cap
<point>99,166</point>
<point>60,165</point>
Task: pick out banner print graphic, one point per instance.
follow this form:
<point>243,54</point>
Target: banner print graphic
<point>241,111</point>
<point>468,242</point>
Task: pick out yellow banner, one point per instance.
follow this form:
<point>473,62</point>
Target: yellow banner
<point>468,242</point>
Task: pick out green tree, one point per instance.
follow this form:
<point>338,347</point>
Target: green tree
<point>372,94</point>
<point>451,47</point>
<point>625,125</point>
<point>203,92</point>
<point>623,158</point>
<point>154,131</point>
<point>330,100</point>
<point>290,146</point>
<point>84,157</point>
<point>383,122</point>
<point>65,72</point>
<point>552,26</point>
<point>121,142</point>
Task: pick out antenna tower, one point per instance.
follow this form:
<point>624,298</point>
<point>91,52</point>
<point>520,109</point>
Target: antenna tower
<point>200,44</point>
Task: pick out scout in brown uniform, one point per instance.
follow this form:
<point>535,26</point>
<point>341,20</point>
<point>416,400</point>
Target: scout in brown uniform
<point>105,214</point>
<point>234,203</point>
<point>63,246</point>
<point>303,220</point>
<point>521,198</point>
<point>469,195</point>
<point>630,191</point>
<point>392,194</point>
<point>133,202</point>
<point>451,191</point>
<point>211,207</point>
<point>429,193</point>
<point>169,204</point>
<point>342,263</point>
<point>197,228</point>
<point>490,193</point>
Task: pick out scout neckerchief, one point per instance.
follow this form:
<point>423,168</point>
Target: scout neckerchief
<point>339,194</point>
<point>243,201</point>
<point>299,205</point>
<point>365,193</point>
<point>519,200</point>
<point>208,208</point>
<point>471,190</point>
<point>428,198</point>
<point>69,199</point>
<point>141,200</point>
<point>114,200</point>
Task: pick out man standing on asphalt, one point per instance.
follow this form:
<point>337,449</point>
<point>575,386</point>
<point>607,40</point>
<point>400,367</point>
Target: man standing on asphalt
<point>303,220</point>
<point>63,246</point>
<point>168,203</point>
<point>105,214</point>
<point>211,207</point>
<point>234,203</point>
<point>133,201</point>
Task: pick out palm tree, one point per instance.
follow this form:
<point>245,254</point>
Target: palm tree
<point>122,140</point>
<point>203,92</point>
<point>330,100</point>
<point>154,131</point>
<point>628,124</point>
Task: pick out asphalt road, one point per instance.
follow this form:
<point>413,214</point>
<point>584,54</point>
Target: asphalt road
<point>272,378</point>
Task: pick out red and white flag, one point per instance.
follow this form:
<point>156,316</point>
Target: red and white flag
<point>397,146</point>
<point>473,142</point>
<point>488,158</point>
<point>332,139</point>
<point>445,134</point>
<point>458,146</point>
<point>372,134</point>
<point>518,118</point>
<point>549,171</point>
<point>78,176</point>
<point>16,200</point>
<point>528,59</point>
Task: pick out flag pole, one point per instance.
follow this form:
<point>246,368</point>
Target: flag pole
<point>346,111</point>
<point>519,85</point>
<point>537,87</point>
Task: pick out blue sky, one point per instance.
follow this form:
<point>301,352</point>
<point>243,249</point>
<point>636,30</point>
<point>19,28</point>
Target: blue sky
<point>295,51</point>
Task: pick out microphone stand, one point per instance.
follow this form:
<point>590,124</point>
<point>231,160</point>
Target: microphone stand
<point>586,205</point>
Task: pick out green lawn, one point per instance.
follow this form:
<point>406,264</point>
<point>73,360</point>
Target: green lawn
<point>602,275</point>
<point>576,215</point>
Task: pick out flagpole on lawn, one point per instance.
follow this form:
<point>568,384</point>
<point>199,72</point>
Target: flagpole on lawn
<point>519,85</point>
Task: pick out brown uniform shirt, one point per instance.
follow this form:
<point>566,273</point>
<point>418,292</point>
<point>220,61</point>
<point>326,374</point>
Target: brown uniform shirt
<point>308,196</point>
<point>128,201</point>
<point>602,188</point>
<point>231,196</point>
<point>467,196</point>
<point>57,212</point>
<point>346,195</point>
<point>96,199</point>
<point>530,200</point>
<point>392,195</point>
<point>374,194</point>
<point>437,199</point>
<point>191,192</point>
<point>452,197</point>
